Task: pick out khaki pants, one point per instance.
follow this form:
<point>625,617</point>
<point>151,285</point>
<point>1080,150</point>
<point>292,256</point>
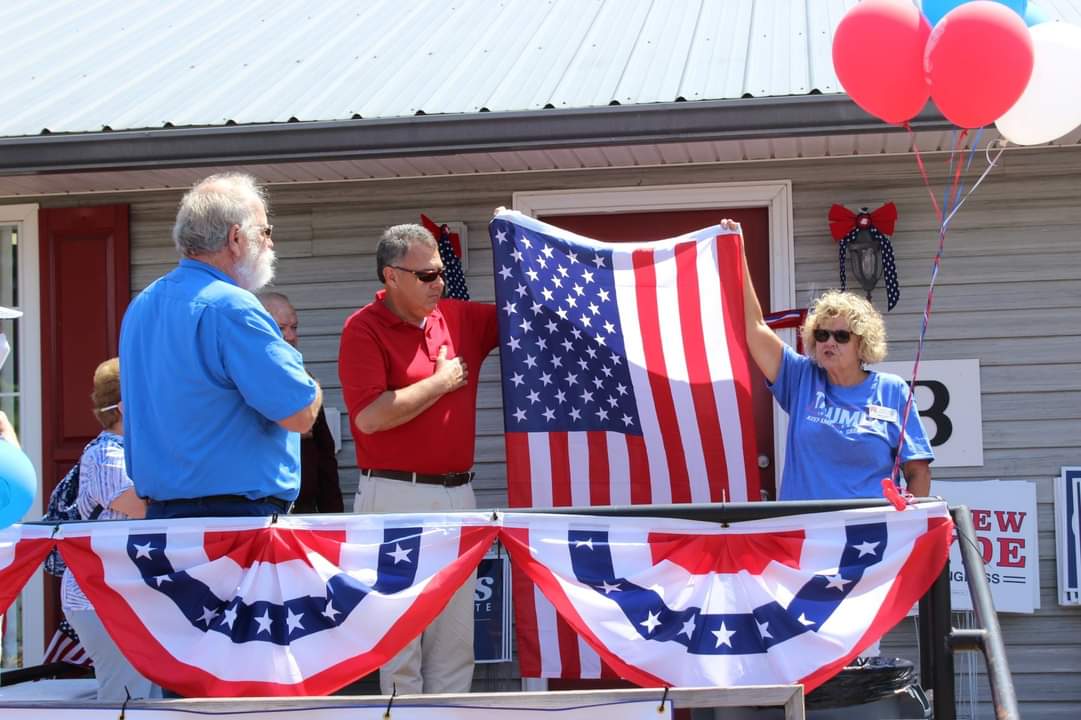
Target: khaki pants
<point>116,677</point>
<point>441,659</point>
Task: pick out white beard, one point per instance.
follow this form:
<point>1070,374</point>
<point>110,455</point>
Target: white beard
<point>255,271</point>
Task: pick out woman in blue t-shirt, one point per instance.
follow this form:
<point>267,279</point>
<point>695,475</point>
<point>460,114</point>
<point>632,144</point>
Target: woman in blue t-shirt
<point>844,420</point>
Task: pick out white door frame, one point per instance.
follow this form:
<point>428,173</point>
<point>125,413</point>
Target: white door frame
<point>30,411</point>
<point>774,195</point>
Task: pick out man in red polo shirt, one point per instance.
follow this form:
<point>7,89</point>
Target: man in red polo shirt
<point>405,364</point>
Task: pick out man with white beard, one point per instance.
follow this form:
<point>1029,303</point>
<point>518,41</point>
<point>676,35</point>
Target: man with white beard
<point>214,398</point>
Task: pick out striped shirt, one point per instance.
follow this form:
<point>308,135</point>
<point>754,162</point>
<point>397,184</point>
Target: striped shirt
<point>102,479</point>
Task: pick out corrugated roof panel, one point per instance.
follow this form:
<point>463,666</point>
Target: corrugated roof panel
<point>592,78</point>
<point>80,66</point>
<point>716,65</point>
<point>540,50</point>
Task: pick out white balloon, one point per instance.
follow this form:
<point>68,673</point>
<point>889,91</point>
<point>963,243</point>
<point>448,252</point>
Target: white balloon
<point>1050,106</point>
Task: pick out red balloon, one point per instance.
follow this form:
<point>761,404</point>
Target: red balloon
<point>978,62</point>
<point>878,56</point>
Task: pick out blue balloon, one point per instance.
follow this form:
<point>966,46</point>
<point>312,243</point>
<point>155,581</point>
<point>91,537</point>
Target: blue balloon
<point>935,10</point>
<point>1036,15</point>
<point>18,483</point>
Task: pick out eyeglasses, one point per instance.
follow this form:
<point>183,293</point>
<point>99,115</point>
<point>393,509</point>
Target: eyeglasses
<point>841,336</point>
<point>264,230</point>
<point>425,276</point>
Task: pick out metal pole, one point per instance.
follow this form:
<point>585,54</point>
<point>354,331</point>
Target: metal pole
<point>926,635</point>
<point>945,697</point>
<point>994,650</point>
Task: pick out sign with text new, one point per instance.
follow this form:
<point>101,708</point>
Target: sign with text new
<point>1004,516</point>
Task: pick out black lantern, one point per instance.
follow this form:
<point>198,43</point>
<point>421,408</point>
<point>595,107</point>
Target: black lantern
<point>865,255</point>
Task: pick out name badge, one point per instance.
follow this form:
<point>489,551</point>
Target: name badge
<point>882,413</point>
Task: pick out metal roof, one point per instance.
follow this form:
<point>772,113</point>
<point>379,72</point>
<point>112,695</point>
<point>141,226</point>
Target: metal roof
<point>74,66</point>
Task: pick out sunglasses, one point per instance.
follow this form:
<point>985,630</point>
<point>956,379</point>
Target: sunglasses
<point>425,276</point>
<point>841,336</point>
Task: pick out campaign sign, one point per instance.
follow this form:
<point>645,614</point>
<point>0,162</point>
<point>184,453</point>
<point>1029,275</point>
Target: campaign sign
<point>491,611</point>
<point>1004,517</point>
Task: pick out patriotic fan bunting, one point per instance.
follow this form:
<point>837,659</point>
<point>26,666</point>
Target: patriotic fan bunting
<point>249,607</point>
<point>302,607</point>
<point>22,549</point>
<point>766,602</point>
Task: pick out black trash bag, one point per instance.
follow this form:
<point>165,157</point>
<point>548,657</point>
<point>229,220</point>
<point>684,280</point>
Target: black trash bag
<point>866,682</point>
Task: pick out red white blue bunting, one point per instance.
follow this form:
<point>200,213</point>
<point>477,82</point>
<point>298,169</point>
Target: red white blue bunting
<point>303,606</point>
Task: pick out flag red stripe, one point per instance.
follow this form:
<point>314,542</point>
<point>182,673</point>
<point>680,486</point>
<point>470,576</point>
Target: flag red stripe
<point>641,489</point>
<point>569,659</point>
<point>519,482</point>
<point>28,555</point>
<point>645,280</point>
<point>728,553</point>
<point>286,544</point>
<point>694,348</point>
<point>600,489</point>
<point>561,469</point>
<point>525,624</point>
<point>730,267</point>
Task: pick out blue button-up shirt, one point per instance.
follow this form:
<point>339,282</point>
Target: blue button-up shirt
<point>205,378</point>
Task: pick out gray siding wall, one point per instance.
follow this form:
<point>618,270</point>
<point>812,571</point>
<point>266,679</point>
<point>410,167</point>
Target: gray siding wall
<point>1009,294</point>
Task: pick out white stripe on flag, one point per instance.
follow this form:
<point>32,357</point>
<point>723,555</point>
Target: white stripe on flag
<point>675,360</point>
<point>540,469</point>
<point>720,370</point>
<point>619,469</point>
<point>547,635</point>
<point>589,662</point>
<point>627,301</point>
<point>578,454</point>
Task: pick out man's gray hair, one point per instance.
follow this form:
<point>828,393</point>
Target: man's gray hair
<point>396,242</point>
<point>211,208</point>
<point>269,297</point>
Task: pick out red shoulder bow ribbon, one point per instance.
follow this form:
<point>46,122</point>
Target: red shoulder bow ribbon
<point>844,221</point>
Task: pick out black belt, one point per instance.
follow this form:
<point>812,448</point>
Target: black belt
<point>447,480</point>
<point>277,502</point>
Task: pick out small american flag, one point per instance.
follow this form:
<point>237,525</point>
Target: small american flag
<point>65,647</point>
<point>625,381</point>
<point>450,252</point>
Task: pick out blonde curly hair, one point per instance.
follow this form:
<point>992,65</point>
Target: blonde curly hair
<point>863,320</point>
<point>106,392</point>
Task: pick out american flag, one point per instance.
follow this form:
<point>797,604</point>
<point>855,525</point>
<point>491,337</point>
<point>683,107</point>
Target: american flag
<point>625,381</point>
<point>450,252</point>
<point>766,602</point>
<point>65,647</point>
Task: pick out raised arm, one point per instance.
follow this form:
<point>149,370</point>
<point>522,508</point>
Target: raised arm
<point>397,407</point>
<point>764,345</point>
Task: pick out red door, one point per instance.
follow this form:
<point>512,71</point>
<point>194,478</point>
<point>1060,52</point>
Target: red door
<point>643,226</point>
<point>84,290</point>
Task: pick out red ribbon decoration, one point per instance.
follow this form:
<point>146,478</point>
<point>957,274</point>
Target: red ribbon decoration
<point>844,221</point>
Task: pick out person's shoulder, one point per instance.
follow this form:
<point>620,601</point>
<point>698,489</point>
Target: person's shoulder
<point>465,308</point>
<point>363,317</point>
<point>889,383</point>
<point>225,296</point>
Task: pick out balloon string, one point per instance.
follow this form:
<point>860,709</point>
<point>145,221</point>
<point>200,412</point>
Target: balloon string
<point>956,200</point>
<point>923,171</point>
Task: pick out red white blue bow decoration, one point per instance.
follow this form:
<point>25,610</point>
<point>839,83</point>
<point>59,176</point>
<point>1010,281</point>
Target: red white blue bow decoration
<point>845,225</point>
